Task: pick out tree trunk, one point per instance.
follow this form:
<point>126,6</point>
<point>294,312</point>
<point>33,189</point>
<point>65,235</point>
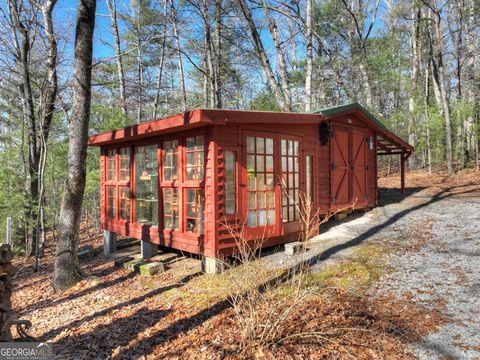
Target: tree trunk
<point>309,55</point>
<point>139,63</point>
<point>218,53</point>
<point>46,119</point>
<point>415,69</point>
<point>23,59</point>
<point>281,62</point>
<point>67,269</point>
<point>180,61</point>
<point>439,69</point>
<point>267,68</point>
<point>470,82</point>
<point>112,8</point>
<point>162,62</point>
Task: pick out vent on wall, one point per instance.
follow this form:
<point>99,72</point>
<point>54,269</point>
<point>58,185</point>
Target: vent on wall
<point>325,133</point>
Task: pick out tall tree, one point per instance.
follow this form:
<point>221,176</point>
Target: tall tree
<point>67,269</point>
<point>112,8</point>
<point>435,14</point>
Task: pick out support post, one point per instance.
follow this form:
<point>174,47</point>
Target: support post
<point>403,158</point>
<point>148,249</point>
<point>211,265</point>
<point>109,242</point>
<point>9,231</point>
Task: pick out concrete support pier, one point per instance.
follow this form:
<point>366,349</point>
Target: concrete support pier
<point>109,242</point>
<point>148,249</point>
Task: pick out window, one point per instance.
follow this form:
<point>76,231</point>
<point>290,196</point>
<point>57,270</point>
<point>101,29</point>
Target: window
<point>170,156</point>
<point>194,203</point>
<point>124,164</point>
<point>230,175</point>
<point>124,203</point>
<point>308,178</point>
<point>111,202</point>
<point>111,165</point>
<point>170,208</point>
<point>146,185</point>
<point>195,155</point>
<point>290,179</point>
<point>260,182</point>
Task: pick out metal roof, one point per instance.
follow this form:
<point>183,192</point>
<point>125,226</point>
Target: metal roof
<point>387,142</point>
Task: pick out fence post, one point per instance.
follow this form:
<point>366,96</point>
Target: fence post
<point>9,231</point>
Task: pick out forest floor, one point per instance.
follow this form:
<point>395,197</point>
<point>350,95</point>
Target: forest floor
<point>400,281</point>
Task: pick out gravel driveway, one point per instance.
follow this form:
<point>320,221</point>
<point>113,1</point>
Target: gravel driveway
<point>435,232</point>
<point>444,272</point>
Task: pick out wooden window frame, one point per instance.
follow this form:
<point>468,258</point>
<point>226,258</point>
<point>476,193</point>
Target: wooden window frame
<point>297,182</point>
<point>236,169</point>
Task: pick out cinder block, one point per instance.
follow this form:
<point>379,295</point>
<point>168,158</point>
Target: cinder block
<point>85,252</point>
<point>152,268</point>
<point>293,248</point>
<point>122,260</point>
<point>134,265</point>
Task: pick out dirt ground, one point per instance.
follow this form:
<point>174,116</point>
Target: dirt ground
<point>400,281</point>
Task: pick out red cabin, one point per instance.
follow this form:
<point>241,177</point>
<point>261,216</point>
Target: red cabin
<point>176,181</point>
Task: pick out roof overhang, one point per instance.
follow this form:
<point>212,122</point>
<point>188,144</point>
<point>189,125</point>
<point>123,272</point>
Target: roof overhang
<point>387,142</point>
<point>195,119</point>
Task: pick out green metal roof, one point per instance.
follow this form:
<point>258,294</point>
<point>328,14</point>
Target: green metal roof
<point>332,110</point>
<point>387,133</point>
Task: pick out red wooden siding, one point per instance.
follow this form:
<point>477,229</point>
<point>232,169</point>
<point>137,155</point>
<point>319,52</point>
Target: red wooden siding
<point>343,170</point>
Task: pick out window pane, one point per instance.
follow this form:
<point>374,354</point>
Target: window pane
<point>260,145</point>
<point>124,160</point>
<point>125,203</point>
<point>269,164</point>
<point>269,146</point>
<point>290,178</point>
<point>195,201</point>
<point>170,159</point>
<point>111,165</point>
<point>195,157</point>
<point>111,202</point>
<point>250,144</point>
<point>230,182</point>
<point>170,208</point>
<point>146,185</point>
<point>252,218</point>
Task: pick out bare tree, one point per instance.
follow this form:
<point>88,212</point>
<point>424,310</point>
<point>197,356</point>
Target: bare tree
<point>309,60</point>
<point>67,269</point>
<point>415,50</point>
<point>280,97</point>
<point>112,8</point>
<point>179,54</point>
<point>435,14</point>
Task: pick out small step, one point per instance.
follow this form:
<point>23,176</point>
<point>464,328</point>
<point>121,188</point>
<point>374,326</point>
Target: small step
<point>151,268</point>
<point>293,248</point>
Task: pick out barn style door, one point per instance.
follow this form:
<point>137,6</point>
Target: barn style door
<point>348,167</point>
<point>359,168</point>
<point>340,168</point>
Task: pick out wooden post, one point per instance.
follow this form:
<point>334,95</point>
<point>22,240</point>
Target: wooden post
<point>403,158</point>
<point>9,231</point>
